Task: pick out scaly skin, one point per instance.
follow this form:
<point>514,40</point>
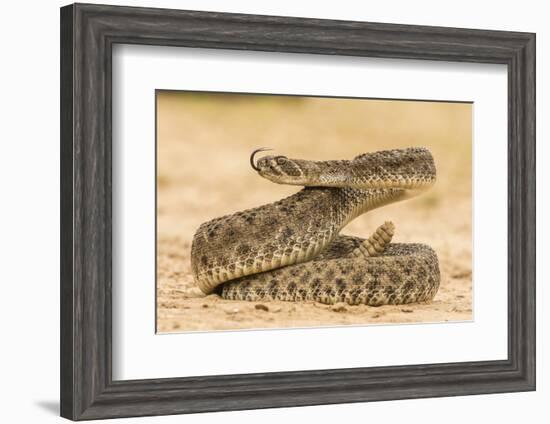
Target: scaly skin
<point>291,249</point>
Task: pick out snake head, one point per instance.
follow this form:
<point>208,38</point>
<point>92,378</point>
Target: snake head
<point>280,169</point>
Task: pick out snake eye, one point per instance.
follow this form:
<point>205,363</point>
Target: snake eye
<point>281,159</point>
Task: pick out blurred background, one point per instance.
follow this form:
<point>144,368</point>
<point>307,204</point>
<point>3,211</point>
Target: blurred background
<point>204,141</point>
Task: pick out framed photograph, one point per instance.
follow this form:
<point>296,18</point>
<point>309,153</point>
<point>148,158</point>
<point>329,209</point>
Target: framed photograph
<point>307,289</point>
<point>262,212</point>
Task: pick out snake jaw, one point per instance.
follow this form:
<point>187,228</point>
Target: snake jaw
<point>283,170</point>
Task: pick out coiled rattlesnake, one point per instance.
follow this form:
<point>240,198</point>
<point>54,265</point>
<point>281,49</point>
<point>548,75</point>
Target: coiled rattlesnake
<point>291,249</point>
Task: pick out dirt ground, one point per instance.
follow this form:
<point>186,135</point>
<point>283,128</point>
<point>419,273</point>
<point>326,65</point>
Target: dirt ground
<point>203,145</point>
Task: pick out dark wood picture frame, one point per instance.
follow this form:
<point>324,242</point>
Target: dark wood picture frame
<point>88,33</point>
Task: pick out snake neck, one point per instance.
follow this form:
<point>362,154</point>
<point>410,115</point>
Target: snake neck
<point>359,201</point>
<point>334,209</point>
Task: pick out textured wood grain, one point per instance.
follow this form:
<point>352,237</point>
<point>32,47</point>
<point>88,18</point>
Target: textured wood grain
<point>66,211</point>
<point>88,33</point>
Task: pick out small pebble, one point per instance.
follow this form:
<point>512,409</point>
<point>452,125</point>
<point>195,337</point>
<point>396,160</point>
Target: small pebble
<point>408,311</point>
<point>261,307</point>
<point>339,307</point>
<point>204,305</point>
<point>213,297</point>
<point>462,274</point>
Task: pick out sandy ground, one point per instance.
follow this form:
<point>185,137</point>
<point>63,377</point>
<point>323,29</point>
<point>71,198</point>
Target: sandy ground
<point>203,148</point>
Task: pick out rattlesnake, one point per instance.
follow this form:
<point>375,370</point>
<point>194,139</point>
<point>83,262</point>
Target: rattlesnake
<point>291,249</point>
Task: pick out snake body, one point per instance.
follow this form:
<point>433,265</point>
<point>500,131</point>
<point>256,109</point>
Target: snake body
<point>292,250</point>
